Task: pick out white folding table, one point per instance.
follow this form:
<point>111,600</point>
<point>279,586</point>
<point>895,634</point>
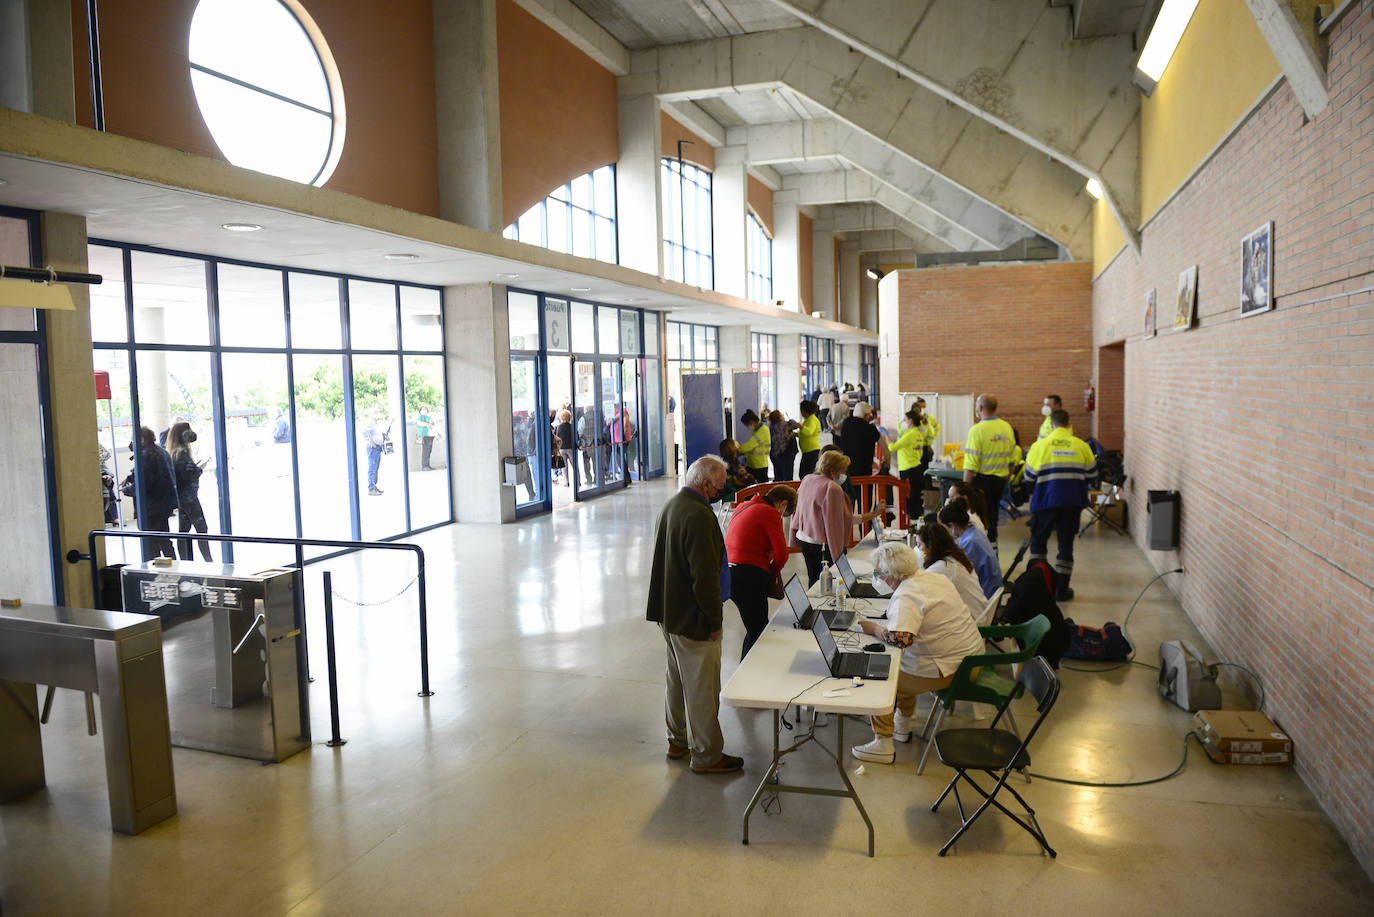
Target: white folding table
<point>785,667</point>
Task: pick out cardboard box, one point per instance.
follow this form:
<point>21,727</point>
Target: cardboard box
<point>1242,737</point>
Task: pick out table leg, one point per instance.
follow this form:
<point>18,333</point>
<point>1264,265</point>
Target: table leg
<point>758,794</point>
<point>21,741</point>
<point>839,763</point>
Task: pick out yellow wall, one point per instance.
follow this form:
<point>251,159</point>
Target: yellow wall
<point>1107,236</point>
<point>1218,72</point>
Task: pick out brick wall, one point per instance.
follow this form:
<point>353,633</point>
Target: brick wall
<point>1019,331</point>
<point>1264,423</point>
<point>1109,421</point>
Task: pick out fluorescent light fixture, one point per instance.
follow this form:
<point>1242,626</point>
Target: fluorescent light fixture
<point>581,289</point>
<point>1164,37</point>
<point>875,274</point>
<point>401,256</point>
<point>1095,189</point>
<point>240,227</point>
<point>507,276</point>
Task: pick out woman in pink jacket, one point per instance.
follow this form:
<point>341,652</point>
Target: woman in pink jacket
<point>824,517</point>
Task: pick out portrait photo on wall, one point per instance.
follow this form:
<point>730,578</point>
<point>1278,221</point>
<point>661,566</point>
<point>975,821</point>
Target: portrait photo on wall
<point>1257,270</point>
<point>1149,314</point>
<point>1186,305</point>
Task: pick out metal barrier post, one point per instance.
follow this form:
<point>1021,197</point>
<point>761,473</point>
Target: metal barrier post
<point>334,740</point>
<point>424,624</point>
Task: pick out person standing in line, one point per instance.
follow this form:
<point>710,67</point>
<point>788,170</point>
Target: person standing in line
<point>424,429</point>
<point>859,440</point>
<point>809,438</point>
<point>564,432</point>
<point>757,547</point>
<point>987,458</point>
<point>375,436</point>
<point>784,448</point>
<point>190,514</point>
<point>153,485</point>
<point>824,520</point>
<point>1059,468</point>
<point>686,584</point>
<point>755,450</point>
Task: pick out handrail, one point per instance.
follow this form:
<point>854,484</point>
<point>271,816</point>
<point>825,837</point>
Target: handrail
<point>74,556</point>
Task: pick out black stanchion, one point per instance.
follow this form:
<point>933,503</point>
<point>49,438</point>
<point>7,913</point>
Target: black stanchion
<point>334,740</point>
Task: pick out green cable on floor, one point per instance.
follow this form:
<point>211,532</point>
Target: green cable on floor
<point>1173,773</point>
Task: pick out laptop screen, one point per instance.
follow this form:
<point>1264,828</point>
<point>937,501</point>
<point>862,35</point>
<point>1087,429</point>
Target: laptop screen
<point>796,596</point>
<point>827,643</point>
<point>847,572</point>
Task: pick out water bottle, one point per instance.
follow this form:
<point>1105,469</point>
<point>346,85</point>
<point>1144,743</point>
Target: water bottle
<point>827,581</point>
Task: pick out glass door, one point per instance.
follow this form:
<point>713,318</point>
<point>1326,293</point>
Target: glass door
<point>633,424</point>
<point>614,422</point>
<point>527,421</point>
<point>564,426</point>
<point>586,426</point>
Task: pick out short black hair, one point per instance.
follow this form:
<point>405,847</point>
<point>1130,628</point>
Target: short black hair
<point>749,417</point>
<point>1059,418</point>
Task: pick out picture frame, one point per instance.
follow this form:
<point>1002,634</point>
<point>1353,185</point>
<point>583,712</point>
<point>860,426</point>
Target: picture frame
<point>1185,304</point>
<point>1149,329</point>
<point>1257,271</point>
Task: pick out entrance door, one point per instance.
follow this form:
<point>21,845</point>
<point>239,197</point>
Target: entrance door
<point>614,422</point>
<point>633,434</point>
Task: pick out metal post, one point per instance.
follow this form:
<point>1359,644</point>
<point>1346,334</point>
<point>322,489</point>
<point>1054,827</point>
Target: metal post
<point>334,740</point>
<point>424,626</point>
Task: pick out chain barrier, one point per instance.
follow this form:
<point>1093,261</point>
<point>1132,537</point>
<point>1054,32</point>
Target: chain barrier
<point>361,604</point>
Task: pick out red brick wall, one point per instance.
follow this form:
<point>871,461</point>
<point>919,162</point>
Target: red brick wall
<point>1264,423</point>
<point>1109,421</point>
<point>1019,331</point>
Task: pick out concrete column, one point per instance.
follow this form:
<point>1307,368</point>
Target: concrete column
<point>823,272</point>
<point>734,353</point>
<point>847,309</point>
<point>639,209</point>
<point>71,381</point>
<point>477,347</point>
<point>36,71</point>
<point>729,204</point>
<point>889,363</point>
<point>786,254</point>
<point>468,113</point>
<point>790,382</point>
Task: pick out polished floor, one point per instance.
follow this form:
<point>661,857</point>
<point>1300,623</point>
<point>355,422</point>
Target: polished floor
<point>534,780</point>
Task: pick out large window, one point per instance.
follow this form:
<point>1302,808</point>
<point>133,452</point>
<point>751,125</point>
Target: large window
<point>689,346</point>
<point>577,218</point>
<point>817,363</point>
<point>868,370</point>
<point>317,400</point>
<point>687,249</point>
<point>267,87</point>
<point>760,262</point>
<point>764,358</point>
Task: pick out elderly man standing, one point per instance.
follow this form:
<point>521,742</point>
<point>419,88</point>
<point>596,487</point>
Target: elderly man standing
<point>685,599</point>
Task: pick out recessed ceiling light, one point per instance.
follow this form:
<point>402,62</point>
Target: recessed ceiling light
<point>240,227</point>
<point>401,256</point>
<point>581,289</point>
<point>507,276</point>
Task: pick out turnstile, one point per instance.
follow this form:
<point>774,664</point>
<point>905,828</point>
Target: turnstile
<point>236,655</point>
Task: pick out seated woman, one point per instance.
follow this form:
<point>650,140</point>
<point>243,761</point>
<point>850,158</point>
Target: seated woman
<point>954,517</point>
<point>824,517</point>
<point>941,555</point>
<point>736,477</point>
<point>757,548</point>
<point>927,620</point>
<point>977,503</point>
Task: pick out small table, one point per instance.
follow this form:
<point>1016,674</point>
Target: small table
<point>116,655</point>
<point>785,667</point>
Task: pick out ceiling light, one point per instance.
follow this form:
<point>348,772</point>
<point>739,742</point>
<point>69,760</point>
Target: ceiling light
<point>875,274</point>
<point>507,276</point>
<point>401,256</point>
<point>1095,189</point>
<point>240,227</point>
<point>1164,37</point>
<point>581,289</point>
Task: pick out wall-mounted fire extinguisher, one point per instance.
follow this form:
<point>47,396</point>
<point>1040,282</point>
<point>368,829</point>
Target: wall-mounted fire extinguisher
<point>1089,398</point>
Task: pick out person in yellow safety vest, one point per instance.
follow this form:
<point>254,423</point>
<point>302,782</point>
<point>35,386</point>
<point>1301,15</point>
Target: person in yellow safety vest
<point>931,428</point>
<point>809,438</point>
<point>909,446</point>
<point>755,450</point>
<point>1052,403</point>
<point>1060,467</point>
<point>987,457</point>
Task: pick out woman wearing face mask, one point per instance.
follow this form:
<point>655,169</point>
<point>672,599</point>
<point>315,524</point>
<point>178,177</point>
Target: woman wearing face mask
<point>757,549</point>
<point>824,516</point>
<point>909,446</point>
<point>189,513</point>
<point>927,620</point>
<point>940,554</point>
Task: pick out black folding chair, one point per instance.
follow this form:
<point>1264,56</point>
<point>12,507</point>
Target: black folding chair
<point>997,752</point>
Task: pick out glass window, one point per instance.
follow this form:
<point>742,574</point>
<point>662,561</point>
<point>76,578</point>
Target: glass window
<point>760,262</point>
<point>687,243</point>
<point>525,421</point>
<point>372,315</point>
<point>422,326</point>
<point>257,431</point>
<point>608,329</point>
<point>380,423</point>
<point>315,321</point>
<point>169,300</point>
<point>322,448</point>
<point>629,332</point>
<point>578,218</point>
<point>427,432</point>
<point>263,84</point>
<point>583,328</point>
<point>651,333</point>
<point>763,347</point>
<point>107,298</point>
<point>250,307</point>
<point>523,317</point>
<point>556,325</point>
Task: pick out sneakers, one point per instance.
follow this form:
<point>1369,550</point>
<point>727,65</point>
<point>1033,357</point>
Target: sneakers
<point>901,727</point>
<point>1063,595</point>
<point>374,492</point>
<point>879,751</point>
<point>727,764</point>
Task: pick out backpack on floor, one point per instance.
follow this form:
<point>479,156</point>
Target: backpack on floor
<point>1186,678</point>
<point>1097,644</point>
<point>1033,594</point>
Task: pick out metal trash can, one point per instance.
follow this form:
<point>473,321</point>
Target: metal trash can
<point>1162,508</point>
<point>517,469</point>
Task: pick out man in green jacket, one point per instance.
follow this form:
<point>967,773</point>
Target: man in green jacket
<point>685,600</point>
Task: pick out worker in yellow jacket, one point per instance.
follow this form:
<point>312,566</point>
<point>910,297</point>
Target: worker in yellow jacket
<point>756,449</point>
<point>987,457</point>
<point>809,438</point>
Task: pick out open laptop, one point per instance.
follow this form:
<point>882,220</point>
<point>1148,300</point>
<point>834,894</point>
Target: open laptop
<point>860,589</point>
<point>849,665</point>
<point>806,614</point>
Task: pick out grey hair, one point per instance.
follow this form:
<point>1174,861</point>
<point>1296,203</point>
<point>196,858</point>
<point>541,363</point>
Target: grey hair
<point>704,470</point>
<point>896,560</point>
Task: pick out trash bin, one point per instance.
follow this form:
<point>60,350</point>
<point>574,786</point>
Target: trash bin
<point>1162,522</point>
<point>516,469</point>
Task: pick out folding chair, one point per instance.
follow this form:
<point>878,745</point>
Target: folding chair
<point>989,613</point>
<point>1111,495</point>
<point>997,753</point>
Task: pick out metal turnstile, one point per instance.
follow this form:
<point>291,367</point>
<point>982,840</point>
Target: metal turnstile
<point>236,655</point>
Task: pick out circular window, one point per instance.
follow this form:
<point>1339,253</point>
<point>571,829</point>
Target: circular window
<point>267,87</point>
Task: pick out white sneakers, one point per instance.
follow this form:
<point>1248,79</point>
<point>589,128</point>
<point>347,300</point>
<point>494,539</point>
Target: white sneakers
<point>901,727</point>
<point>879,751</point>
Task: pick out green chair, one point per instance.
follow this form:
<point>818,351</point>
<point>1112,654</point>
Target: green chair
<point>988,687</point>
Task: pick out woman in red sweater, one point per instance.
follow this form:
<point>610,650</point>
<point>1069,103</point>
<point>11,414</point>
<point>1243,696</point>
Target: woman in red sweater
<point>757,549</point>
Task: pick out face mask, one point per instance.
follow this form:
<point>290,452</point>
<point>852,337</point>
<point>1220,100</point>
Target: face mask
<point>189,436</point>
<point>842,478</point>
<point>1045,410</point>
<point>880,586</point>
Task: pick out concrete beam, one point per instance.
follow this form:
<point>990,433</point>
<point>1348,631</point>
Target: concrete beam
<point>581,31</point>
<point>846,187</point>
<point>1293,49</point>
<point>693,117</point>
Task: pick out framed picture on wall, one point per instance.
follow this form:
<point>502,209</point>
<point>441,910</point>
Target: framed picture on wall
<point>1149,314</point>
<point>1257,270</point>
<point>1186,305</point>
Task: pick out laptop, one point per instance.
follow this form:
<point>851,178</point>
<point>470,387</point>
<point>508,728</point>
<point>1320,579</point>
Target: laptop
<point>806,614</point>
<point>881,534</point>
<point>849,665</point>
<point>860,589</point>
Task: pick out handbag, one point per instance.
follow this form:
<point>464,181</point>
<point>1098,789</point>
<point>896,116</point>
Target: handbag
<point>775,587</point>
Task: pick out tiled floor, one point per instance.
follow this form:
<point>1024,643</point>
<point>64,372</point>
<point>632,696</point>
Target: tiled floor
<point>534,781</point>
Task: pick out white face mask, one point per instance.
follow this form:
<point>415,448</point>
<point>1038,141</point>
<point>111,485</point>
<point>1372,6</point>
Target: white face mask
<point>880,586</point>
<point>1045,410</point>
<point>841,479</point>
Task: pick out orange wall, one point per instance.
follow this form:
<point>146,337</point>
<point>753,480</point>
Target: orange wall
<point>700,152</point>
<point>761,200</point>
<point>559,117</point>
<point>148,96</point>
<point>806,272</point>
